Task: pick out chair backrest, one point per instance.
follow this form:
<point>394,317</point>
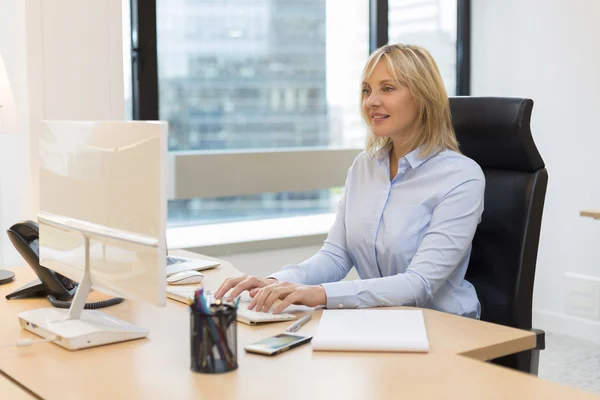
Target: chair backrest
<point>495,132</point>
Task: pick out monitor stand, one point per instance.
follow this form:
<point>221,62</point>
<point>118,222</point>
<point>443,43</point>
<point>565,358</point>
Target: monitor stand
<point>77,328</point>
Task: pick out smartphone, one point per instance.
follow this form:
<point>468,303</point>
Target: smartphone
<point>277,344</point>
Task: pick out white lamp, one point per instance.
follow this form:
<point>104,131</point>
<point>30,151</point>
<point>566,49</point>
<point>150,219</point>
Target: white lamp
<point>8,124</point>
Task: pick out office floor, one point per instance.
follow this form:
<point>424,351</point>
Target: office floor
<point>572,362</point>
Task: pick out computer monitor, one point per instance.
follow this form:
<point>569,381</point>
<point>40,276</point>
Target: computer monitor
<point>102,220</point>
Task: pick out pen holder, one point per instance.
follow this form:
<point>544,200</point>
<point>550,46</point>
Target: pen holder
<point>214,339</point>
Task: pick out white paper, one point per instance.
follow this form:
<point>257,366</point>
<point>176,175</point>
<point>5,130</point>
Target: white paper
<point>371,330</point>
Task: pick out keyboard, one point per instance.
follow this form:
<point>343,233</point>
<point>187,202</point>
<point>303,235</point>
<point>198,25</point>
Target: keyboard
<point>176,260</point>
<point>179,264</point>
<point>185,294</point>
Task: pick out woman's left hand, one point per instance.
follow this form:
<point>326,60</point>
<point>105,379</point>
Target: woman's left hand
<point>289,293</point>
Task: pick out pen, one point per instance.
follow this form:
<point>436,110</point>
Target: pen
<point>298,324</point>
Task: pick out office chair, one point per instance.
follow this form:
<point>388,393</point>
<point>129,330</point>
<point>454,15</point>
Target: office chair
<point>495,133</point>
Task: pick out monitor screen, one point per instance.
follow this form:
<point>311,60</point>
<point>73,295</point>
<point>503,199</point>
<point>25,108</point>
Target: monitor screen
<point>105,181</point>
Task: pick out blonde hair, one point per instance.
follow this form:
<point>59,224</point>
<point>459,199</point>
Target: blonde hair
<point>414,67</point>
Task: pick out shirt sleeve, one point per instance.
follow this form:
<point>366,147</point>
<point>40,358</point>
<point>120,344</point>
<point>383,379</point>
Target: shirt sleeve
<point>444,245</point>
<point>331,263</point>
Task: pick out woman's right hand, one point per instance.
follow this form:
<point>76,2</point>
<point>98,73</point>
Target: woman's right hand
<point>241,283</point>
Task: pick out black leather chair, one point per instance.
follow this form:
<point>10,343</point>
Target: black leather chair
<point>495,132</point>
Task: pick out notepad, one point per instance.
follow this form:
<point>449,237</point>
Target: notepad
<point>371,330</point>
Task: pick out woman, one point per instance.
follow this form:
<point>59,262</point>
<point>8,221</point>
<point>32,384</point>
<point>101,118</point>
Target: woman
<point>410,208</point>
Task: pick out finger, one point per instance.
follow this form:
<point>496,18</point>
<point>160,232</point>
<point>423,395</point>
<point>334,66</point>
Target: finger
<point>261,296</point>
<point>228,284</point>
<point>219,288</point>
<point>254,293</point>
<point>275,295</point>
<point>247,284</point>
<point>294,297</point>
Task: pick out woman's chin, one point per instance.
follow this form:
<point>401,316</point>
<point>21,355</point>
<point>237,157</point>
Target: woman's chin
<point>380,133</point>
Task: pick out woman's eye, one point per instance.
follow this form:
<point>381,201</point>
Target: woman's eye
<point>365,91</point>
<point>388,89</point>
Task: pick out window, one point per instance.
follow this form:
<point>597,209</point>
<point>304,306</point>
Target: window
<point>431,24</point>
<point>263,80</point>
<point>260,74</point>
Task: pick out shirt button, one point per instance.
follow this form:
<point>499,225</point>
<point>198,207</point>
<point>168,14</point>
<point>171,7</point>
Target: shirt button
<point>403,162</point>
<point>340,306</point>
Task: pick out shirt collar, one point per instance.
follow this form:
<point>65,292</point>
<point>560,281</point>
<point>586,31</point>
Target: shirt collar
<point>414,158</point>
<point>382,155</point>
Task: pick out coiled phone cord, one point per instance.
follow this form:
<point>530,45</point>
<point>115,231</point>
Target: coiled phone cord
<point>88,306</point>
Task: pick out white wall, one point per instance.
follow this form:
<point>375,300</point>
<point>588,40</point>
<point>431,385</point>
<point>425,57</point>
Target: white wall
<point>64,59</point>
<point>548,51</point>
<point>15,199</point>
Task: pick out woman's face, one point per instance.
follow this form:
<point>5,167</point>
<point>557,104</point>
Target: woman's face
<point>389,105</point>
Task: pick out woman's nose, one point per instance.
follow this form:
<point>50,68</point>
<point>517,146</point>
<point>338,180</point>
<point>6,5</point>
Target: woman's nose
<point>373,100</point>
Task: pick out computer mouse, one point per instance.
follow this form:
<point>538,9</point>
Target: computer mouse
<point>189,277</point>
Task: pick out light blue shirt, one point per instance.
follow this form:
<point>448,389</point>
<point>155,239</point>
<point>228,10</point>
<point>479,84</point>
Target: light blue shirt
<point>409,239</point>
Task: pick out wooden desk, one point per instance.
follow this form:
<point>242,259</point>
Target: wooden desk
<point>9,390</point>
<point>158,367</point>
<point>590,213</point>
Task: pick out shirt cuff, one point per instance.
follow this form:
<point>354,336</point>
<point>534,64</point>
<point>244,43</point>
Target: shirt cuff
<point>341,294</point>
<point>285,276</point>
